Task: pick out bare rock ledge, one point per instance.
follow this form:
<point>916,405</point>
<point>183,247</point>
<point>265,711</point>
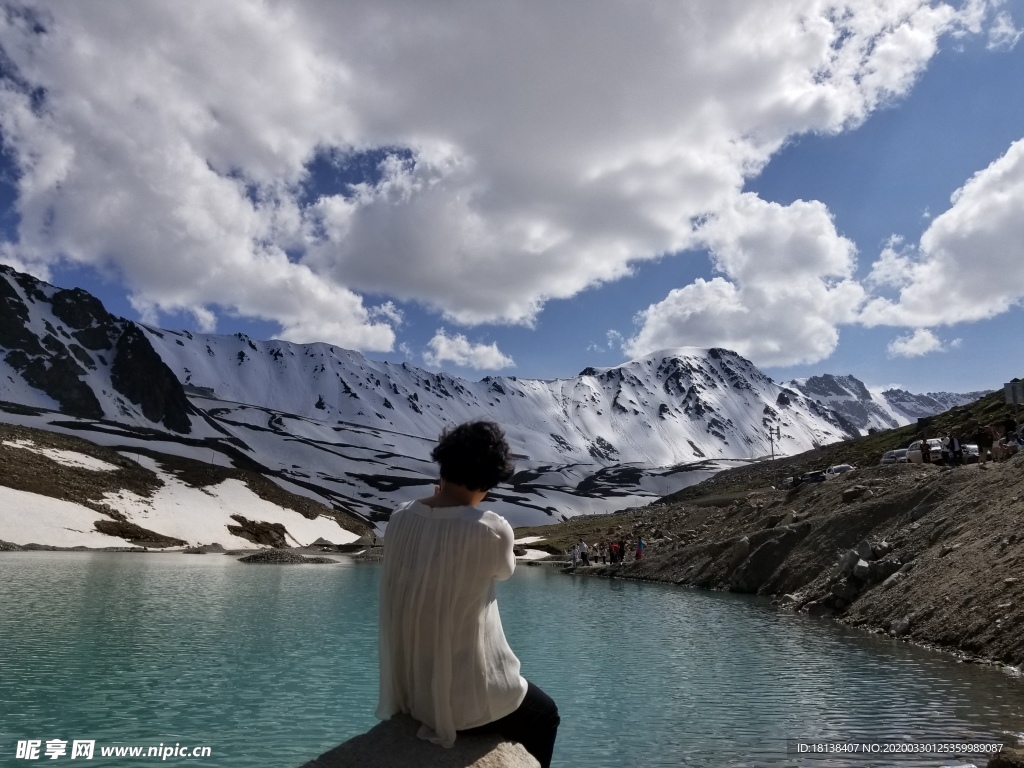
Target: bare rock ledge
<point>393,744</point>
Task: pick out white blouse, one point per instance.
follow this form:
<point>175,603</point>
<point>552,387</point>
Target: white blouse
<point>442,652</point>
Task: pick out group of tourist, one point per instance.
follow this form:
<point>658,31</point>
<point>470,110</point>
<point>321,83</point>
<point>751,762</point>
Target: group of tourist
<point>1008,443</point>
<point>999,441</point>
<point>614,552</point>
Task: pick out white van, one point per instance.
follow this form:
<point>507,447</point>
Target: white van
<point>838,469</point>
<point>934,451</point>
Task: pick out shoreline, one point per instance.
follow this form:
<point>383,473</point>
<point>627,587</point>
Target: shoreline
<point>603,572</point>
<point>930,556</point>
<point>10,548</point>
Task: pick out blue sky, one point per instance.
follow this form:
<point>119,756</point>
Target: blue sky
<point>515,192</point>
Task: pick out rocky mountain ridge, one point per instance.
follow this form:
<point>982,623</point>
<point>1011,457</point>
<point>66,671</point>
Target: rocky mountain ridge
<point>70,353</point>
<point>886,409</point>
<point>356,434</point>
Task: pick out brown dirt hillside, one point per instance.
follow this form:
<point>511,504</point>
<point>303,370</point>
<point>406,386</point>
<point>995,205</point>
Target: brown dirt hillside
<point>30,471</point>
<point>863,451</point>
<point>929,554</point>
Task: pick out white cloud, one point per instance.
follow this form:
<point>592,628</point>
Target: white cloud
<point>786,289</point>
<point>614,342</point>
<point>878,389</point>
<point>388,311</point>
<point>550,153</point>
<point>457,349</point>
<point>920,342</point>
<point>967,265</point>
<point>893,267</point>
<point>10,257</point>
<point>167,149</point>
<point>1003,35</point>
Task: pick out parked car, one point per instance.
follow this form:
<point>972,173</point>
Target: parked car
<point>915,450</point>
<point>899,456</point>
<point>787,482</point>
<point>813,477</point>
<point>970,451</point>
<point>837,469</point>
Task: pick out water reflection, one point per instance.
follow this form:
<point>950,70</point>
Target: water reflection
<point>723,679</point>
<point>271,665</point>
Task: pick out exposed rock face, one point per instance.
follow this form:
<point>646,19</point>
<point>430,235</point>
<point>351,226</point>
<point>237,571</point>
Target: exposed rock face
<point>1009,758</point>
<point>136,534</point>
<point>264,534</point>
<point>81,310</point>
<point>394,743</point>
<point>140,375</point>
<point>756,569</point>
<point>59,376</point>
<point>61,342</point>
<point>854,492</point>
<point>14,317</point>
<point>283,557</point>
<point>848,396</point>
<point>203,549</point>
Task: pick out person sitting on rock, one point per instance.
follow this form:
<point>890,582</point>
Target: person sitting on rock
<point>442,651</point>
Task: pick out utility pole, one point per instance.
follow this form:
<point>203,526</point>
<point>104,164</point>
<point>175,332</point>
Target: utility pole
<point>774,433</point>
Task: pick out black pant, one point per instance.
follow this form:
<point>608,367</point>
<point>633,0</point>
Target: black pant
<point>534,725</point>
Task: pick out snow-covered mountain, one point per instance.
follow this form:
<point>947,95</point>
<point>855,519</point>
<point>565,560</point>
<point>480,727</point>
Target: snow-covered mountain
<point>912,407</point>
<point>356,433</point>
<point>678,405</point>
<point>848,396</point>
<point>61,350</point>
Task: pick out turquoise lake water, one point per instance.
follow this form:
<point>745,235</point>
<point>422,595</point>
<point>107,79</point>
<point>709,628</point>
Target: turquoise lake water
<point>272,665</point>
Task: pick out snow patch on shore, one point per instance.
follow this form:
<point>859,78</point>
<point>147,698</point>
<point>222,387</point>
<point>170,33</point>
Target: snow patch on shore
<point>529,539</point>
<point>28,518</point>
<point>202,515</point>
<point>67,458</point>
<point>534,554</point>
<point>194,515</point>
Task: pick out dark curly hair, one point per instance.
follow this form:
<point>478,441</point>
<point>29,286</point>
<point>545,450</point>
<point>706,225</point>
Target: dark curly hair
<point>474,455</point>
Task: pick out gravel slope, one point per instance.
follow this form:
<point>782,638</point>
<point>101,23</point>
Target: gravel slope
<point>939,554</point>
